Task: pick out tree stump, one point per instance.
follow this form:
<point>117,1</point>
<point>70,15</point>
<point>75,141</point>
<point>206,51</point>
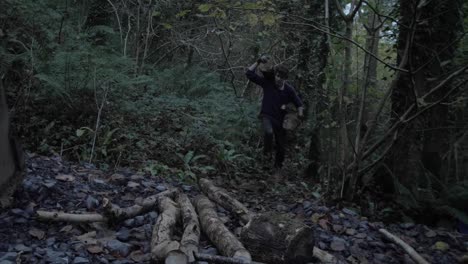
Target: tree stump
<point>274,238</point>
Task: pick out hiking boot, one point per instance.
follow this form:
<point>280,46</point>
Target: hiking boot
<point>278,175</point>
<point>266,162</point>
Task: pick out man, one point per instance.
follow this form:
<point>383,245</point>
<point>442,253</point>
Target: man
<point>277,93</point>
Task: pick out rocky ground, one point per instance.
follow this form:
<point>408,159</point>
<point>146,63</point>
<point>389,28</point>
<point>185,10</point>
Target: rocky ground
<point>55,185</point>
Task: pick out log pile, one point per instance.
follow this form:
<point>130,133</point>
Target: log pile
<point>269,238</point>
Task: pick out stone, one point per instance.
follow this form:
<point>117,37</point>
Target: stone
<point>123,235</point>
<point>118,178</point>
<point>160,188</point>
<point>139,220</point>
<point>407,225</point>
<point>186,188</point>
<point>209,251</point>
<point>133,185</point>
<point>338,244</point>
<point>80,260</point>
<point>129,222</point>
<point>306,204</point>
<point>119,248</point>
<point>349,212</point>
<point>23,248</point>
<point>8,256</point>
<point>91,202</point>
<point>56,256</point>
<point>350,232</point>
<point>430,233</point>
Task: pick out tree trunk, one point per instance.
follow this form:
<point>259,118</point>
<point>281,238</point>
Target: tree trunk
<point>11,155</point>
<point>420,144</point>
<point>273,238</point>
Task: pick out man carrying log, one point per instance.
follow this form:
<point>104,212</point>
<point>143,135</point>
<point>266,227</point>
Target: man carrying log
<point>277,93</point>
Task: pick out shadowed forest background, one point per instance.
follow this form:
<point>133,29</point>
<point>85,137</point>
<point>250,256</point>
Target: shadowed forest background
<point>160,86</point>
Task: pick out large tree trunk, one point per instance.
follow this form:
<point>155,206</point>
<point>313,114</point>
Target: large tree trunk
<point>420,144</point>
<point>11,156</point>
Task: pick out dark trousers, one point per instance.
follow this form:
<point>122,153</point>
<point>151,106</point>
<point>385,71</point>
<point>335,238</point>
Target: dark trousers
<point>274,130</point>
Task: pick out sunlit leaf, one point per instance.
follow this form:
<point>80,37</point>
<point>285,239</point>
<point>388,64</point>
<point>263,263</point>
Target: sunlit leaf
<point>253,19</point>
<point>183,13</point>
<point>269,19</point>
<point>205,7</point>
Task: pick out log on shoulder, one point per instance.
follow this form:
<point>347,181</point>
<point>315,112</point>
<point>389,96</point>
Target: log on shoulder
<point>222,238</point>
<point>274,238</point>
<point>163,247</point>
<point>191,237</point>
<point>224,199</point>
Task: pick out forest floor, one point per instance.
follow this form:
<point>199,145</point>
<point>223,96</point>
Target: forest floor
<point>56,185</point>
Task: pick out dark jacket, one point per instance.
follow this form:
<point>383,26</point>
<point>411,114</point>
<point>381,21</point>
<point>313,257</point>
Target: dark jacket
<point>274,98</point>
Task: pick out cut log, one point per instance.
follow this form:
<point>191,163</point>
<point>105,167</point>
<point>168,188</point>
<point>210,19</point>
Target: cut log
<point>224,199</point>
<point>191,237</point>
<point>117,214</point>
<point>222,238</point>
<point>413,254</point>
<point>161,242</point>
<point>72,218</point>
<point>324,256</point>
<point>274,238</point>
<point>222,260</point>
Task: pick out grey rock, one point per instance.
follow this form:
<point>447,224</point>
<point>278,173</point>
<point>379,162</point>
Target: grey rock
<point>8,256</point>
<point>187,188</point>
<point>80,260</point>
<point>338,244</point>
<point>49,183</point>
<point>407,225</point>
<point>56,256</point>
<point>153,215</point>
<point>160,188</point>
<point>209,251</point>
<point>40,251</point>
<point>307,204</point>
<point>117,247</point>
<point>20,212</point>
<point>129,222</point>
<point>23,248</point>
<point>123,234</point>
<point>91,202</point>
<point>349,212</point>
<point>7,262</point>
<point>139,220</point>
<point>50,241</point>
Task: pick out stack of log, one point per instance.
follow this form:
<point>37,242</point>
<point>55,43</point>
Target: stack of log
<point>268,238</point>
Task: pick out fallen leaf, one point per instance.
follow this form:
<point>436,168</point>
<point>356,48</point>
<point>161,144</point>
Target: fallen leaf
<point>65,177</point>
<point>94,249</point>
<point>315,217</point>
<point>442,246</point>
<point>323,223</point>
<point>39,234</point>
<point>66,228</point>
<point>88,238</point>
